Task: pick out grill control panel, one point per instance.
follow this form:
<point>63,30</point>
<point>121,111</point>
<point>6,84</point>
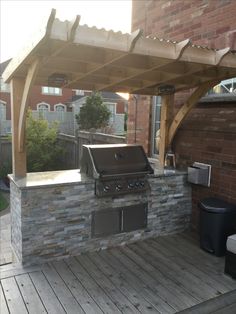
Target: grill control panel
<point>113,187</point>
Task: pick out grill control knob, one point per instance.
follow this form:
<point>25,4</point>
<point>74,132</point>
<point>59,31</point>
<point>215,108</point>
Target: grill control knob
<point>118,187</point>
<point>130,185</point>
<point>106,188</point>
<point>137,184</point>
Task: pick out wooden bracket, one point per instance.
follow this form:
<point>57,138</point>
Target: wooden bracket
<point>180,47</point>
<point>51,19</point>
<point>133,38</point>
<point>187,106</point>
<point>72,28</point>
<point>32,72</point>
<point>220,54</point>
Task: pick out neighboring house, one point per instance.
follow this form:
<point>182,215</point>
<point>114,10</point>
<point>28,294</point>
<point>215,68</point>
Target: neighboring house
<point>56,104</point>
<point>52,103</point>
<point>208,134</point>
<point>115,103</point>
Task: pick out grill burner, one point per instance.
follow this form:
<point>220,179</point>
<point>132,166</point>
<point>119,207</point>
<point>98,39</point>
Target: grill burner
<point>117,169</point>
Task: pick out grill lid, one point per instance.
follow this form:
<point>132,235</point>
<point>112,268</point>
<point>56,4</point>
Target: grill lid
<point>101,161</point>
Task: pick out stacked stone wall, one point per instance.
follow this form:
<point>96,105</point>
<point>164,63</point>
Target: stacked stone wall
<point>54,222</point>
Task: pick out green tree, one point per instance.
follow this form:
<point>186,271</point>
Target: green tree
<point>93,114</point>
<point>43,151</point>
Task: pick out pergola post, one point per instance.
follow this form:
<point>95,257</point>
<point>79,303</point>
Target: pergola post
<point>167,107</point>
<point>18,158</point>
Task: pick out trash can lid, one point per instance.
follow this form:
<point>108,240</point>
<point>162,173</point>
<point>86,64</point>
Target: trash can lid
<point>216,205</point>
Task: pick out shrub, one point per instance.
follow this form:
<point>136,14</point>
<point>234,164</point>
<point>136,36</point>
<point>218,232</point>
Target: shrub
<point>93,114</point>
<point>43,151</point>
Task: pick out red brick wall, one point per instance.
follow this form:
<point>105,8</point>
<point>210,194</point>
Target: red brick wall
<point>209,132</point>
<point>205,22</point>
<point>209,135</point>
<point>139,116</point>
<point>36,97</point>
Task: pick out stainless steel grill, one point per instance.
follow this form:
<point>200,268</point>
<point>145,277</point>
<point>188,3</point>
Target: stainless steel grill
<point>117,169</point>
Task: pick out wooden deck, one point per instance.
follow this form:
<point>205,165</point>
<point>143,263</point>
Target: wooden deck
<point>162,275</point>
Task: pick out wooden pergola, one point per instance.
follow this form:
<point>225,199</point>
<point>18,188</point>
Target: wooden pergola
<point>70,55</point>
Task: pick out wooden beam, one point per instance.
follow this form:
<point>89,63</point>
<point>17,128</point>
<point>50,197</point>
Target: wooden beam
<point>167,106</point>
<point>187,106</point>
<point>31,75</point>
<point>110,57</point>
<point>18,158</point>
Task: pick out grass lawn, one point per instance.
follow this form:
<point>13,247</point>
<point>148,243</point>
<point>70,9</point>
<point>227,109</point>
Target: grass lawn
<point>3,202</point>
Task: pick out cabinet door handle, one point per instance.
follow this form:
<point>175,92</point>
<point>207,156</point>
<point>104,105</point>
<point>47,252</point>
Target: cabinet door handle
<point>122,220</point>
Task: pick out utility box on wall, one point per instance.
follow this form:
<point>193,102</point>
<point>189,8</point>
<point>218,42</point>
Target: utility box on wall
<point>199,173</point>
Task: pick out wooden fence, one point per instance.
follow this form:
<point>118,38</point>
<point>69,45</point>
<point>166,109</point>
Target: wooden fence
<point>72,146</point>
<point>5,152</point>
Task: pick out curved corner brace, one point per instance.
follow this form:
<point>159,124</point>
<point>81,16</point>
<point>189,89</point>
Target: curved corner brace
<point>180,47</point>
<point>187,106</point>
<point>29,81</point>
<point>133,39</point>
<point>220,54</point>
<point>51,19</point>
<point>72,28</point>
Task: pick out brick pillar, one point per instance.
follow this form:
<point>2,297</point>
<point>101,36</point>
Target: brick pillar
<point>139,121</point>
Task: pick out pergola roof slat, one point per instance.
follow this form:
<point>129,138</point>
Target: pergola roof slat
<point>113,61</point>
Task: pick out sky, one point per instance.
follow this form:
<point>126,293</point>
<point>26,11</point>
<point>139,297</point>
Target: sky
<point>21,19</point>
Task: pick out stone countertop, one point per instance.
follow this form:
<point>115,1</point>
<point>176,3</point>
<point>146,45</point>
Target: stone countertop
<point>50,178</point>
<point>70,177</point>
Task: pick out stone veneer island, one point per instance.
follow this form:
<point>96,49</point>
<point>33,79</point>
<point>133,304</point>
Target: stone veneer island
<point>51,213</point>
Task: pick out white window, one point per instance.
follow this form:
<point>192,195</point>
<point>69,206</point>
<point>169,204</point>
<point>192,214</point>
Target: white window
<point>112,109</point>
<point>56,91</point>
<point>225,87</point>
<point>156,122</point>
<point>60,108</point>
<point>42,107</point>
<point>4,87</point>
<point>2,110</point>
<point>78,92</point>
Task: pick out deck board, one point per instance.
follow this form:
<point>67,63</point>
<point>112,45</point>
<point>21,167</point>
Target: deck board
<point>82,296</point>
<point>3,304</point>
<point>96,292</point>
<point>48,297</point>
<point>168,274</point>
<point>30,295</point>
<point>13,296</point>
<point>122,284</point>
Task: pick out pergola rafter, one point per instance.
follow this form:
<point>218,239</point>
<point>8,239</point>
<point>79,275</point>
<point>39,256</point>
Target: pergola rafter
<point>96,59</point>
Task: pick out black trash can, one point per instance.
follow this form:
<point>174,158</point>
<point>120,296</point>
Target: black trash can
<point>217,222</point>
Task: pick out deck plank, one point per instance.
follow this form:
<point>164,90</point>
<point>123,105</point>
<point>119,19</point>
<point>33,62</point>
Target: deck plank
<point>13,296</point>
<point>116,295</point>
<point>49,299</point>
<point>219,305</point>
<point>11,270</point>
<point>61,290</point>
<point>159,275</point>
<point>97,293</point>
<point>123,285</point>
<point>186,279</point>
<point>196,265</point>
<point>3,304</point>
<point>174,294</point>
<point>230,309</point>
<point>87,303</point>
<point>29,294</point>
<point>147,291</point>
